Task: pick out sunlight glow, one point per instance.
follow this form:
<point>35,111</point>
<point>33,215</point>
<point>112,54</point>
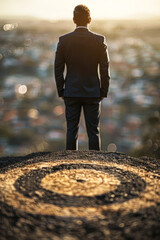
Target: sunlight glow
<point>53,9</point>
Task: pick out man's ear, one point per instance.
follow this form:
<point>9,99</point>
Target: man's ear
<point>89,20</point>
<point>74,20</point>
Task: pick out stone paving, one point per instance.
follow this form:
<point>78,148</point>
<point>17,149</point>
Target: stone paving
<point>74,195</point>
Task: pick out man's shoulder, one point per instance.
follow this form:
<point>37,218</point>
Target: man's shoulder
<point>98,36</point>
<point>66,35</point>
<point>91,33</point>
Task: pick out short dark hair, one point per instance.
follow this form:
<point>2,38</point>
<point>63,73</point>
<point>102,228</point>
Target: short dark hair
<point>81,15</point>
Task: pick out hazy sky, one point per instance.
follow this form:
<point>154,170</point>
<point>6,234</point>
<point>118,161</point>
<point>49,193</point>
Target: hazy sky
<point>63,9</point>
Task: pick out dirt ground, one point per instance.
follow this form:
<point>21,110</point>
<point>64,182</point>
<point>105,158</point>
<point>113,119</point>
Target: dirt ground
<point>76,195</point>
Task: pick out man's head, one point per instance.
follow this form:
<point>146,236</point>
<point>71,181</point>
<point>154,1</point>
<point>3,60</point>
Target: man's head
<point>81,15</point>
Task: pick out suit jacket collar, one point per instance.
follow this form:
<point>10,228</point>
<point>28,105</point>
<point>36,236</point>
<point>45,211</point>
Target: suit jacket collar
<point>81,29</point>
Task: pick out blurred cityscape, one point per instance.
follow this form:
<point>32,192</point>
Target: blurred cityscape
<point>32,116</point>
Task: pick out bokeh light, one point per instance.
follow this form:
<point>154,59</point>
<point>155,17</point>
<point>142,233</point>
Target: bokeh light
<point>112,147</point>
<point>33,113</point>
<point>58,110</point>
<point>8,27</point>
<point>22,89</point>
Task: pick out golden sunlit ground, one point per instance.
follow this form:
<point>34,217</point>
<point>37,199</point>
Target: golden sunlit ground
<point>73,190</point>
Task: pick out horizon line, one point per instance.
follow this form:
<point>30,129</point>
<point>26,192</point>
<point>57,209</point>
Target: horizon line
<point>70,19</point>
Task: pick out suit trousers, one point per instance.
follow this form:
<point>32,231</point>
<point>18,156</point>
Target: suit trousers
<point>92,111</point>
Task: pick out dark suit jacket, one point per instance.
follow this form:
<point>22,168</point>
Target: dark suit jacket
<point>83,52</point>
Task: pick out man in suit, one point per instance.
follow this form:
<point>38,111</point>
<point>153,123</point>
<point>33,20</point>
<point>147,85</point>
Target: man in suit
<point>86,82</point>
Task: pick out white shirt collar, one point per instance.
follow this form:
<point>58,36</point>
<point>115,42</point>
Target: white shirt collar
<point>82,27</point>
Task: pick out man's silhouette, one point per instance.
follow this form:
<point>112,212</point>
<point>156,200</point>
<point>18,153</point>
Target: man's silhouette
<point>87,79</point>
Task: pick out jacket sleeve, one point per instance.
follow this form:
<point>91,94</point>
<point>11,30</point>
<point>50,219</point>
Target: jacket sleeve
<point>104,69</point>
<point>59,65</point>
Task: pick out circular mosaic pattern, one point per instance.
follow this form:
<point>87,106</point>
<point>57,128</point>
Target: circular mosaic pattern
<point>79,198</point>
<point>119,184</point>
<point>128,187</point>
<point>80,182</point>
